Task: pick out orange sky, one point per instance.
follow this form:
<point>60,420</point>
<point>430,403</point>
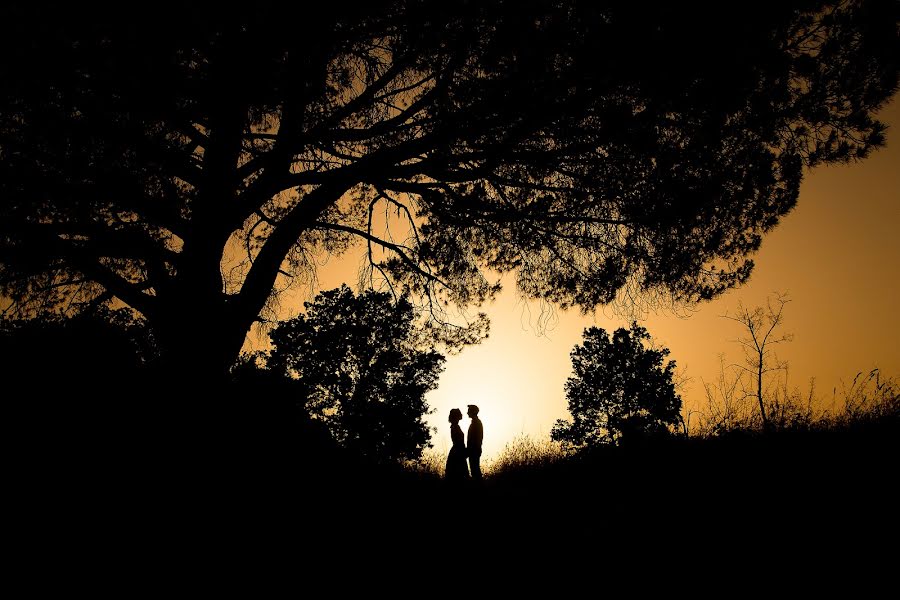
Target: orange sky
<point>836,254</point>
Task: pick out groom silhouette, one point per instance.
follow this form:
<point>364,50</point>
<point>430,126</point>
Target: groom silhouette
<point>473,442</point>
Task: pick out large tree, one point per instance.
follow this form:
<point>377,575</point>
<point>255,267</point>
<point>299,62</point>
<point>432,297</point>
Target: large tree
<point>189,164</point>
<point>621,389</point>
<point>361,370</point>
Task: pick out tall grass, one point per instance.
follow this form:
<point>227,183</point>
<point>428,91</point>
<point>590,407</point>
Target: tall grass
<point>869,397</point>
<point>430,465</point>
<point>525,453</point>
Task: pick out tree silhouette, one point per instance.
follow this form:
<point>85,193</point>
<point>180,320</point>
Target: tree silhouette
<point>620,390</point>
<point>758,343</point>
<point>361,370</point>
<point>191,166</point>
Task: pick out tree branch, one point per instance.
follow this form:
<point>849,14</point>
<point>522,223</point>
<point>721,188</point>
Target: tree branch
<point>262,274</point>
<point>130,293</point>
<point>397,248</point>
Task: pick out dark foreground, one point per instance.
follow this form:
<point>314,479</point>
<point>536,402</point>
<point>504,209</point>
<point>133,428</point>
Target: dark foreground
<point>131,474</point>
<point>196,466</point>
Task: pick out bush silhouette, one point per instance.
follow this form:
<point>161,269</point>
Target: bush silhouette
<point>362,368</point>
<point>621,390</point>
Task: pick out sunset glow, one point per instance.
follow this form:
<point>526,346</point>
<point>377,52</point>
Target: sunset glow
<point>417,274</point>
<point>836,255</point>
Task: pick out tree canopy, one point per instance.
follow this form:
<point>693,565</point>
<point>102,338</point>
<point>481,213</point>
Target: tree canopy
<point>361,370</point>
<point>621,389</point>
<point>192,165</point>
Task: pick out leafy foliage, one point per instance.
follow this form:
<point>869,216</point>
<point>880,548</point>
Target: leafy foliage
<point>620,390</point>
<point>361,369</point>
<point>600,151</point>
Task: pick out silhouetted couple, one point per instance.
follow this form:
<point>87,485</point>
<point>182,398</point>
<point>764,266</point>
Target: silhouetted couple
<point>470,448</point>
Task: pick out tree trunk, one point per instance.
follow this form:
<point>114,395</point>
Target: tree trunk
<point>199,343</point>
<point>199,335</point>
<point>759,394</point>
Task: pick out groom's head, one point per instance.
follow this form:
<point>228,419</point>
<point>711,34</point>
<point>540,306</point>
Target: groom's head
<point>473,411</point>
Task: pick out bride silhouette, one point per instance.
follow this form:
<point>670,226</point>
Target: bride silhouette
<point>457,469</point>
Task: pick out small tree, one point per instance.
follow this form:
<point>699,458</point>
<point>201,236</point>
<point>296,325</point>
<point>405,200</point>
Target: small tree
<point>621,389</point>
<point>760,337</point>
<point>362,370</point>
